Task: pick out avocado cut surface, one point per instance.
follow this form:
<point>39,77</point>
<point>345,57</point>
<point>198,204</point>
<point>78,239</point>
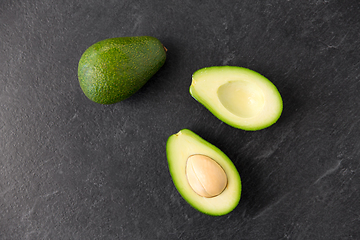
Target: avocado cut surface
<point>238,96</point>
<point>204,176</point>
<point>113,69</point>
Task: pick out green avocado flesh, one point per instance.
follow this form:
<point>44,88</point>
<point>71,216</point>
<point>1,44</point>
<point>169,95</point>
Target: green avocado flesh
<point>237,96</point>
<point>179,148</point>
<point>114,69</point>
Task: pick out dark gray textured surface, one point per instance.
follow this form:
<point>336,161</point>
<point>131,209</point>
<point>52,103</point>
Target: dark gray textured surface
<point>74,169</point>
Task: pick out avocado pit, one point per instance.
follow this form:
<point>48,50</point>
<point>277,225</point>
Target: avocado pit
<point>205,176</point>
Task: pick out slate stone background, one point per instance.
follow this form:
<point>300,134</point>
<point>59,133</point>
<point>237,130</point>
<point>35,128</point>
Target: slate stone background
<point>74,169</point>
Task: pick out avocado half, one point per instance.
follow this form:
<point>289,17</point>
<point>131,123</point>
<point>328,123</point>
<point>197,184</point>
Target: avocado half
<point>180,148</point>
<point>238,96</point>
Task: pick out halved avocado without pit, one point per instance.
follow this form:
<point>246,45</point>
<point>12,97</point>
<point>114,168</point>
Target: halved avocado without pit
<point>238,96</point>
<point>204,176</point>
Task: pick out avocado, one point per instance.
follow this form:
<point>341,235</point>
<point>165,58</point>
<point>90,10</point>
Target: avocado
<point>238,96</point>
<point>113,69</point>
<point>204,176</point>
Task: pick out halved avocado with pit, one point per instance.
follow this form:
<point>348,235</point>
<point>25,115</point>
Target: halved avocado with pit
<point>204,176</point>
<point>238,96</point>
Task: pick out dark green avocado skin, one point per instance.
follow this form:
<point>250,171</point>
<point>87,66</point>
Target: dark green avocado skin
<point>114,69</point>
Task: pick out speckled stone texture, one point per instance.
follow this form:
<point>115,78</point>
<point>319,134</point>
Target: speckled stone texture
<point>74,169</point>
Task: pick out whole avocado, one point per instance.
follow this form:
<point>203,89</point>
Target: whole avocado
<point>113,69</point>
